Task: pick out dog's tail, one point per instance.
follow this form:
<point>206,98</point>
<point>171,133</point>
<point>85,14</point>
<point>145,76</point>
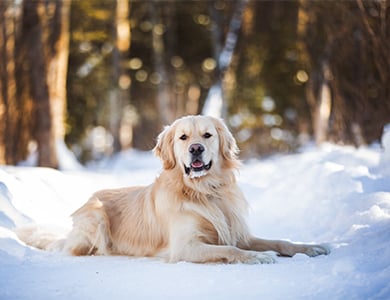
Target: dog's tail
<point>41,237</point>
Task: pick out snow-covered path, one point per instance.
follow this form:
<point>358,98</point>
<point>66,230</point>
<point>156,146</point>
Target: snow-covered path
<point>334,194</point>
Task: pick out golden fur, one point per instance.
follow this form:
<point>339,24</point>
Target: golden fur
<point>194,211</point>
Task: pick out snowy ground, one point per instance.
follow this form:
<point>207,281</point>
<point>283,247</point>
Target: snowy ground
<point>338,195</point>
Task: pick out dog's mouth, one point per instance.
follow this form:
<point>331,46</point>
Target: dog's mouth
<point>197,168</point>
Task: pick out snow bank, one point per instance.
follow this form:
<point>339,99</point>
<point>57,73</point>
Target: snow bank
<point>338,195</point>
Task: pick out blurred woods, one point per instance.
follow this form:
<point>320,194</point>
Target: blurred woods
<point>103,76</point>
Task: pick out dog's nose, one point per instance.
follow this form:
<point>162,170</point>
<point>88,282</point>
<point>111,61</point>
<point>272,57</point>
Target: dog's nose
<point>196,149</point>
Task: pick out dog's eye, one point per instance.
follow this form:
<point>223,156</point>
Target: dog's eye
<point>183,137</point>
<point>207,135</point>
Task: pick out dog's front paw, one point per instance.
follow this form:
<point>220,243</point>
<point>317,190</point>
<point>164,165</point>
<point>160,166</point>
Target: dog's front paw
<point>260,258</point>
<point>315,250</point>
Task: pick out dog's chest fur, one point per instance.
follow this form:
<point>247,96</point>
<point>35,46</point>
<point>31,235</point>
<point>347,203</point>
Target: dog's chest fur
<point>215,207</point>
<point>218,216</point>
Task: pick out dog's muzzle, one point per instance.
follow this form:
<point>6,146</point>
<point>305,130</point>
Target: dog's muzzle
<point>197,165</point>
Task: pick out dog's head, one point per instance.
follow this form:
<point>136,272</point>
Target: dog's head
<point>198,145</point>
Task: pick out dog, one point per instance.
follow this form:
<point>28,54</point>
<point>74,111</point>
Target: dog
<point>193,211</point>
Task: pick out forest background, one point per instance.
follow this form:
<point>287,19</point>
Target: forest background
<point>103,76</point>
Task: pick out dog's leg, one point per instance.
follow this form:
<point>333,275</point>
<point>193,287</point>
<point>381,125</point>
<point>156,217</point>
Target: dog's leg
<point>91,231</point>
<point>204,253</point>
<point>284,248</point>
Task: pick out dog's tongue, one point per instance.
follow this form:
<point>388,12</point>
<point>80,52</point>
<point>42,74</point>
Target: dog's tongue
<point>197,164</point>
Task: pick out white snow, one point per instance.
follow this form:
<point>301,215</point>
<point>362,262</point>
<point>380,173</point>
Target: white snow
<point>333,194</point>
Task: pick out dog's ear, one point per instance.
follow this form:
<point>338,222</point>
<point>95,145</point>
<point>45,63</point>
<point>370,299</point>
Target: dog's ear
<point>164,148</point>
<point>227,144</point>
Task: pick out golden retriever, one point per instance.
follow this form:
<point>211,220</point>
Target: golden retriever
<point>193,211</point>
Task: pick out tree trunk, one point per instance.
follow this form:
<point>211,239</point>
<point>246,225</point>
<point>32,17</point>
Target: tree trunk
<point>164,101</point>
<point>8,110</point>
<point>45,31</point>
<point>58,67</point>
<point>358,65</point>
<point>322,114</point>
<point>15,105</point>
<point>215,104</point>
<point>34,51</point>
<point>33,30</point>
<point>119,97</point>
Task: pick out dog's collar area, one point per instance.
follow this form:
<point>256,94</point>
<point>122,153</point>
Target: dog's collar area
<point>197,166</point>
